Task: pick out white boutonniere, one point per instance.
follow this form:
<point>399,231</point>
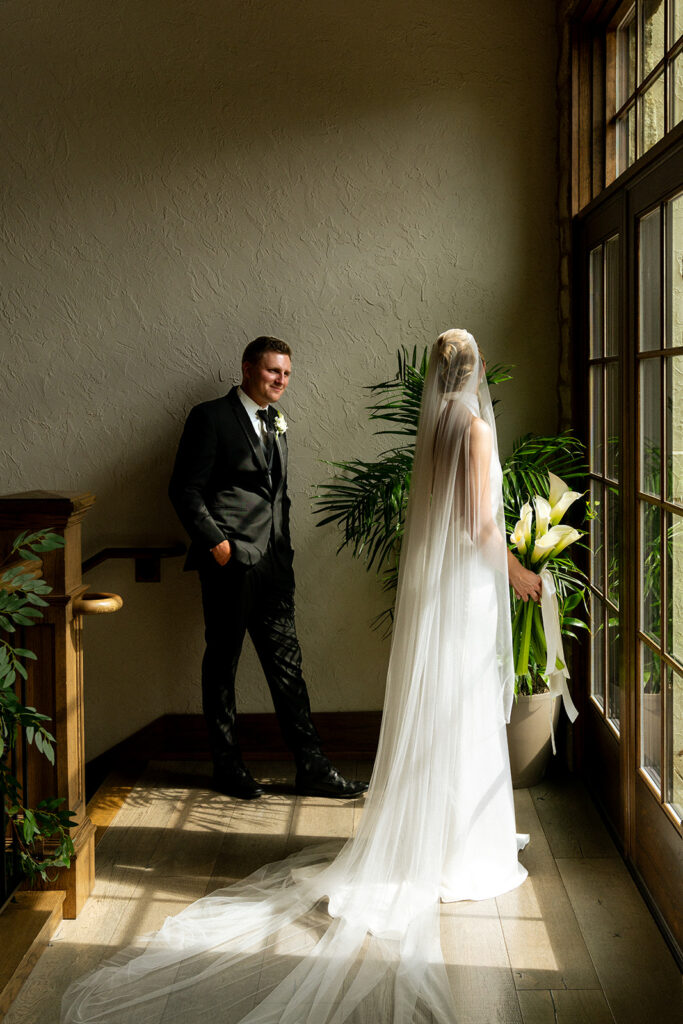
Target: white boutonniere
<point>280,423</point>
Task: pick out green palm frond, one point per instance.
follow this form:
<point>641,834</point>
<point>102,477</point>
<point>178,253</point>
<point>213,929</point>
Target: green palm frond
<point>525,471</point>
<point>401,396</point>
<point>367,500</point>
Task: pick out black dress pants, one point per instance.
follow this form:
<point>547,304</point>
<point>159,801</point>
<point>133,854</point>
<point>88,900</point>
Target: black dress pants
<point>259,600</point>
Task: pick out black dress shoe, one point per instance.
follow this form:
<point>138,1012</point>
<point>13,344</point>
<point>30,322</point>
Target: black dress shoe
<point>237,782</point>
<point>327,782</point>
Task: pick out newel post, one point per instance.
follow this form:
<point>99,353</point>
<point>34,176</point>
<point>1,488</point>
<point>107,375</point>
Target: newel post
<point>55,680</point>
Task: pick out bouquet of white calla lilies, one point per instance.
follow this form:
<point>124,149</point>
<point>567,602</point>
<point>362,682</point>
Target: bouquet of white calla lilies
<point>540,538</point>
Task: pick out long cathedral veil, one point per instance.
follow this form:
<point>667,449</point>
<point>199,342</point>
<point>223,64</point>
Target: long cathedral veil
<point>330,936</point>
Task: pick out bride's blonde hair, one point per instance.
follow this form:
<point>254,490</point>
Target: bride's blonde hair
<point>458,355</point>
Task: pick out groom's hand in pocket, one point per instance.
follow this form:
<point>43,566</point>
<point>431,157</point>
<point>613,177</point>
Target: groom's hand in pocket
<point>222,552</point>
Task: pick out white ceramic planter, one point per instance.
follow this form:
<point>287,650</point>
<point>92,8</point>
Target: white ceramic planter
<point>529,737</point>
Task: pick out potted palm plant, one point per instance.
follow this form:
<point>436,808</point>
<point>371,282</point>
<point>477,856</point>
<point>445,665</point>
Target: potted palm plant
<point>367,500</point>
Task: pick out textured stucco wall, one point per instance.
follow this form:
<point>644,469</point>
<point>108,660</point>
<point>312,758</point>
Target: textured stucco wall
<point>180,176</point>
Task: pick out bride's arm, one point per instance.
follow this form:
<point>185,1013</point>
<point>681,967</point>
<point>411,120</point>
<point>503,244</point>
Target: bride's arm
<point>481,525</point>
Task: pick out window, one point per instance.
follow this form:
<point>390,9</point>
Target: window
<point>627,87</point>
<point>647,70</point>
<point>627,341</point>
<point>660,498</point>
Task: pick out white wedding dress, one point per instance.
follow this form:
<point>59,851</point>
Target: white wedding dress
<point>336,935</point>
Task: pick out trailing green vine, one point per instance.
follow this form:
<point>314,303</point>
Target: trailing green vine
<point>41,833</point>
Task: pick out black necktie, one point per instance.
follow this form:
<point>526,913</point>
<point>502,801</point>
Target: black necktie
<point>268,444</point>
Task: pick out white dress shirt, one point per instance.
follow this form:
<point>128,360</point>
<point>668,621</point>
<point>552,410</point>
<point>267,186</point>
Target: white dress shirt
<point>252,409</point>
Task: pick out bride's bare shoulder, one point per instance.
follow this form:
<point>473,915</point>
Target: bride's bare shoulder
<point>480,430</point>
<point>480,437</point>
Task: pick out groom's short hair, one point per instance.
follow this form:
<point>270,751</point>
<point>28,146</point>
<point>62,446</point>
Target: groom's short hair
<point>259,346</point>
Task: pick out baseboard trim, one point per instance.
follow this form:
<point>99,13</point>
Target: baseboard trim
<point>345,735</point>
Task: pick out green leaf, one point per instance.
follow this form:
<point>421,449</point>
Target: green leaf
<point>31,613</point>
<point>29,826</point>
<point>26,616</point>
<point>30,733</point>
<point>576,623</point>
<point>23,653</point>
<point>51,803</point>
<point>49,542</point>
<point>572,601</point>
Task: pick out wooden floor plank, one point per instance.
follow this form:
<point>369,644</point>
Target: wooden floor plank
<point>570,820</point>
<point>636,970</point>
<point>544,941</point>
<point>256,833</point>
<point>477,963</point>
<point>564,1006</point>
<point>109,799</point>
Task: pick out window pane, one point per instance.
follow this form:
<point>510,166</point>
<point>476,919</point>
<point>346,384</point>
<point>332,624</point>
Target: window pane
<point>596,418</point>
<point>652,115</point>
<point>626,60</point>
<point>674,405</point>
<point>676,80</point>
<point>626,139</point>
<point>675,744</point>
<point>651,570</point>
<point>597,651</point>
<point>674,261</point>
<point>613,671</point>
<point>674,570</point>
<point>676,20</point>
<point>613,425</point>
<point>596,539</point>
<point>613,524</point>
<point>612,296</point>
<point>596,302</point>
<point>652,34</point>
<point>651,714</point>
<point>650,426</point>
<point>649,280</point>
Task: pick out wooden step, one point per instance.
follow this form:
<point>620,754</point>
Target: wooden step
<point>27,924</point>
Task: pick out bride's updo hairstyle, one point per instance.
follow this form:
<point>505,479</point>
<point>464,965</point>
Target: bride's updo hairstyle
<point>458,354</point>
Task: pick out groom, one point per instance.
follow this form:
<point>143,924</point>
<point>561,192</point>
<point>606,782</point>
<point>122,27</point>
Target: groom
<point>229,488</point>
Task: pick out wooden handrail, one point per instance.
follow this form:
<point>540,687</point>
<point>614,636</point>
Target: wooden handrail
<point>147,559</point>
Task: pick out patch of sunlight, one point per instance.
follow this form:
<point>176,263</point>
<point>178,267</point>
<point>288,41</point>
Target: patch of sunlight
<point>521,914</point>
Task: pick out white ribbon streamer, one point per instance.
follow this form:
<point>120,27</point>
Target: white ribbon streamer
<point>557,677</point>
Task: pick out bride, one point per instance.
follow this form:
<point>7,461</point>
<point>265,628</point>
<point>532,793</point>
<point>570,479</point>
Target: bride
<point>330,936</point>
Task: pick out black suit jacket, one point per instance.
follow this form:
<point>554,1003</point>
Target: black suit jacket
<point>221,487</point>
